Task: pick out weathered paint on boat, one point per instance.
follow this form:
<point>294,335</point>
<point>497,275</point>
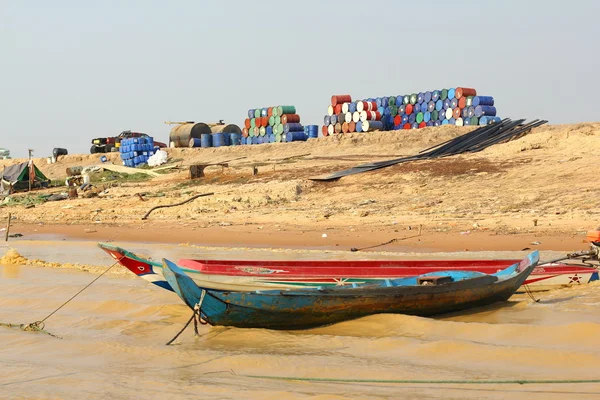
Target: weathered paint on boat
<point>245,275</point>
<point>308,308</point>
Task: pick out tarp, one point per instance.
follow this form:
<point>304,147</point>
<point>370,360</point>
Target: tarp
<point>18,177</point>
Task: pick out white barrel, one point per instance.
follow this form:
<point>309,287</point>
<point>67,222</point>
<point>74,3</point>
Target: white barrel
<point>363,116</point>
<point>331,129</point>
<point>449,113</point>
<point>356,116</point>
<point>365,126</point>
<point>372,116</point>
<point>345,107</point>
<point>459,122</point>
<point>330,110</point>
<point>348,117</point>
<point>360,106</point>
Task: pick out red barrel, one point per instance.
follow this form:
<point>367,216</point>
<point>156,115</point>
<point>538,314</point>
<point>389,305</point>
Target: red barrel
<point>373,115</point>
<point>245,132</point>
<point>324,130</point>
<point>338,108</point>
<point>290,119</point>
<point>464,92</point>
<point>409,109</point>
<point>340,99</point>
<point>423,124</point>
<point>397,120</point>
<point>247,124</point>
<point>345,127</point>
<point>366,106</point>
<point>269,111</point>
<point>456,113</point>
<point>351,126</point>
<point>265,121</point>
<point>406,126</point>
<point>462,102</point>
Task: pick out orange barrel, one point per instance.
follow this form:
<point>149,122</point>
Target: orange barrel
<point>290,119</point>
<point>330,129</point>
<point>324,130</point>
<point>265,121</point>
<point>464,92</point>
<point>462,102</point>
<point>247,123</point>
<point>338,128</point>
<point>245,132</point>
<point>356,116</point>
<point>269,111</point>
<point>456,113</point>
<point>345,127</point>
<point>352,126</point>
<point>340,99</point>
<point>338,109</point>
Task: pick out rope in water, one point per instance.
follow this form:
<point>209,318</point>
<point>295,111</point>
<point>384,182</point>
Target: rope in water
<point>429,381</point>
<point>38,326</point>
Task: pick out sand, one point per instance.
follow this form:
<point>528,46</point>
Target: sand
<point>537,192</point>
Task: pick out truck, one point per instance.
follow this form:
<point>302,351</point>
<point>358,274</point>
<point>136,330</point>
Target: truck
<point>112,144</point>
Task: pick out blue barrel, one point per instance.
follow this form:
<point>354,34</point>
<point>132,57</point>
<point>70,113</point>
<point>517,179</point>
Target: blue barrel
<point>235,139</point>
<point>415,125</point>
<point>453,103</point>
<point>411,118</point>
<point>218,140</point>
<point>466,121</point>
<point>446,104</point>
<point>260,139</point>
<point>251,114</point>
<point>352,107</point>
<point>483,101</point>
<point>451,94</point>
<point>295,136</point>
<point>269,130</point>
<point>378,101</point>
<point>195,142</point>
<point>439,104</point>
<point>420,97</point>
<point>471,111</point>
<point>430,106</point>
<point>387,111</point>
<point>333,119</point>
<point>312,131</point>
<point>295,127</point>
<point>490,111</point>
<point>452,121</point>
<point>485,120</point>
<point>435,96</point>
<point>423,107</point>
<point>437,123</point>
<point>326,120</point>
<point>404,119</point>
<point>427,97</point>
<point>399,100</point>
<point>384,101</point>
<point>427,116</point>
<point>206,140</point>
<point>402,110</point>
<point>465,113</point>
<point>359,126</point>
<point>429,123</point>
<point>444,122</point>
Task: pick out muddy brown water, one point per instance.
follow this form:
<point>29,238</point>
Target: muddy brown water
<point>113,339</point>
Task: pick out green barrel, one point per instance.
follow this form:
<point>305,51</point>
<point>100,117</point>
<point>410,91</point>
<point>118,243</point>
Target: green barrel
<point>434,115</point>
<point>275,113</point>
<point>278,138</point>
<point>406,100</point>
<point>474,121</point>
<point>257,113</point>
<point>419,118</point>
<point>391,101</point>
<point>444,94</point>
<point>271,121</point>
<point>287,110</point>
<point>262,131</point>
<point>394,110</point>
<point>251,132</point>
<point>252,122</point>
<point>277,120</point>
<point>413,99</point>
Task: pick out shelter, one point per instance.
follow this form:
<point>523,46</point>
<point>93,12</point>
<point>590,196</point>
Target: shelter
<point>19,176</point>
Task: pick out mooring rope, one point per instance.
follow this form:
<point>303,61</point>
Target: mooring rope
<point>353,249</point>
<point>38,326</point>
<point>196,317</point>
<point>429,381</point>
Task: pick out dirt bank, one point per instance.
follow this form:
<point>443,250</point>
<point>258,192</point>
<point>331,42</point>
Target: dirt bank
<point>540,188</point>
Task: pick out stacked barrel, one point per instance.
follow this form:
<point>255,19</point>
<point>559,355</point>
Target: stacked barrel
<point>136,151</point>
<point>273,124</point>
<point>456,106</point>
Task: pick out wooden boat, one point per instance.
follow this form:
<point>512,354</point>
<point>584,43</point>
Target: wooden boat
<point>257,275</point>
<point>423,295</point>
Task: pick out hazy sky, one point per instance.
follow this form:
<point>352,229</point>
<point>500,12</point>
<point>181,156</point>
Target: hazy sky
<point>74,70</point>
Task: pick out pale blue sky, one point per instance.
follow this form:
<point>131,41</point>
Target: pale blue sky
<point>72,70</point>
